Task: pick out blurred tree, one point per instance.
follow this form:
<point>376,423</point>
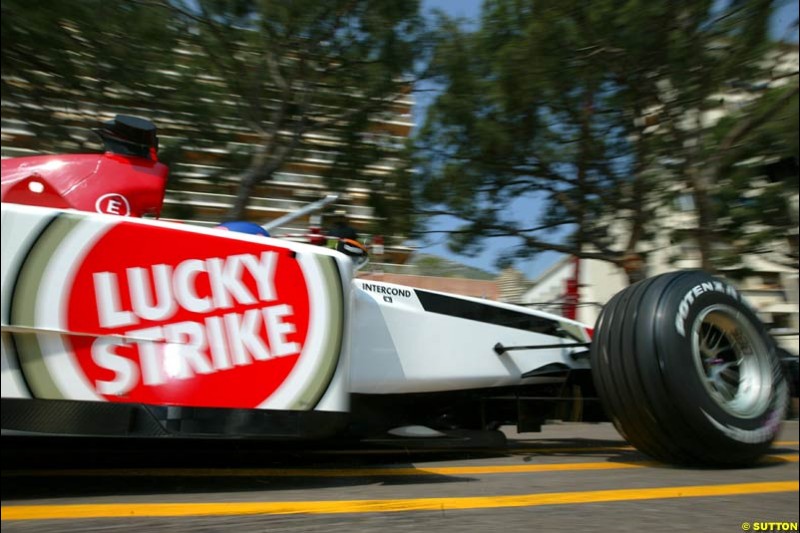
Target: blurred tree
<point>597,110</point>
<point>716,59</point>
<point>302,67</point>
<point>64,63</point>
<point>756,210</point>
<point>246,81</point>
<point>531,111</point>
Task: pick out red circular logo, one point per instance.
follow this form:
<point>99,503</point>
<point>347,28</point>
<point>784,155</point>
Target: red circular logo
<point>187,319</point>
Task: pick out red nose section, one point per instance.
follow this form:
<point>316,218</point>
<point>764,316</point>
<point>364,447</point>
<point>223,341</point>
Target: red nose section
<point>105,183</point>
<point>34,190</point>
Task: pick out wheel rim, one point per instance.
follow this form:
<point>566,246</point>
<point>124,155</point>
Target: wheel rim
<point>733,361</point>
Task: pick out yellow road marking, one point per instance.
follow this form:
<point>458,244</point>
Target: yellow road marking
<point>626,448</point>
<point>322,472</point>
<point>509,450</point>
<point>349,472</point>
<point>114,510</point>
<point>596,449</point>
<point>790,457</point>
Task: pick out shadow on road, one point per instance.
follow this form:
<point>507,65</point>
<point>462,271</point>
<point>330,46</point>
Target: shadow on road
<point>39,468</point>
<point>36,468</point>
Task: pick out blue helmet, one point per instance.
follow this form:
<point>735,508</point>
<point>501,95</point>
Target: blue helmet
<point>243,226</point>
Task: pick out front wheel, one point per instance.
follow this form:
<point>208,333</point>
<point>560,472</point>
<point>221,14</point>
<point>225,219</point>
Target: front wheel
<point>687,372</point>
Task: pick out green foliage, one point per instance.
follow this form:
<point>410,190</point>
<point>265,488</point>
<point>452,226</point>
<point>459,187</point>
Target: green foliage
<point>297,68</point>
<point>756,179</point>
<point>81,56</point>
<point>243,86</point>
<point>596,110</point>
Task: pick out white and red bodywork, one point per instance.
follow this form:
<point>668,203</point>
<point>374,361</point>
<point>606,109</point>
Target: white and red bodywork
<point>101,309</point>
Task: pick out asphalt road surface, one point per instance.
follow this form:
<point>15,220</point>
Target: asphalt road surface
<point>570,477</point>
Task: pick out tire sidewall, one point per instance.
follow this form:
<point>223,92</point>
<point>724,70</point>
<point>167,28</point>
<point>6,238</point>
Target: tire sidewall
<point>678,310</point>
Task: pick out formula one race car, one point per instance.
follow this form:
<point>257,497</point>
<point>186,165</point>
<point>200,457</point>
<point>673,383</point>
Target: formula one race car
<point>117,325</point>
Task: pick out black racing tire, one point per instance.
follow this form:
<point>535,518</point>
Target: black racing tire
<point>687,372</point>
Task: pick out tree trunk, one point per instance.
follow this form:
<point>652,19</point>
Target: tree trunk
<point>635,267</point>
<point>704,228</point>
<point>243,194</point>
<point>253,177</point>
<point>266,161</point>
